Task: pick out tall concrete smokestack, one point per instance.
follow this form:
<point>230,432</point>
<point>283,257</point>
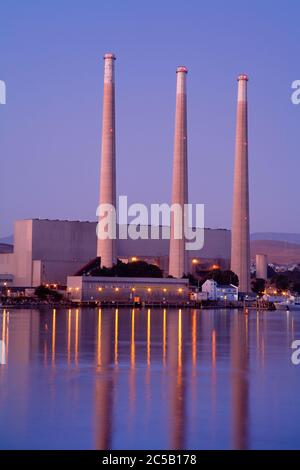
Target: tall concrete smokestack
<point>240,239</point>
<point>177,255</point>
<point>106,249</point>
<point>261,266</point>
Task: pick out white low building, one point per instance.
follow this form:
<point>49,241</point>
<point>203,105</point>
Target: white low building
<point>217,291</point>
<point>199,296</point>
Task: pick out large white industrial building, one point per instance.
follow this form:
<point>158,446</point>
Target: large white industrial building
<point>47,251</point>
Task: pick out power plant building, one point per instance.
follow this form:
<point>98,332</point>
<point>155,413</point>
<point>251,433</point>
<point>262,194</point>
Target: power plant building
<point>126,289</point>
<point>47,251</point>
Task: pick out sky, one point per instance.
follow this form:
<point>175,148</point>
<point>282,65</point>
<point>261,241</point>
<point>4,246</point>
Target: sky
<point>51,59</point>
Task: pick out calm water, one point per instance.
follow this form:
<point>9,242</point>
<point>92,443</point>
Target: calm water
<point>149,379</point>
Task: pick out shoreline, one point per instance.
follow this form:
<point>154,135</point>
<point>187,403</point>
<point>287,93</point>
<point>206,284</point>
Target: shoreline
<point>207,305</point>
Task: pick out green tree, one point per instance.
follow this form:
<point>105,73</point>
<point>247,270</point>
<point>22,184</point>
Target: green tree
<point>296,287</point>
<point>281,281</point>
<point>44,293</point>
<point>133,269</point>
<point>258,286</point>
<point>193,281</point>
<point>223,277</point>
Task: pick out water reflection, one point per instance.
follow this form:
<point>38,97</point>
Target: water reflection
<point>177,396</point>
<point>116,335</point>
<point>117,378</point>
<point>239,381</point>
<point>53,336</point>
<point>104,383</point>
<point>5,336</point>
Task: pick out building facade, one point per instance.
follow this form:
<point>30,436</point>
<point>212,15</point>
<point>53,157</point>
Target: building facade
<point>47,251</point>
<point>217,291</point>
<point>126,289</point>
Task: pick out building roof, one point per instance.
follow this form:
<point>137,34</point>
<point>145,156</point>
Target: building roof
<point>226,286</point>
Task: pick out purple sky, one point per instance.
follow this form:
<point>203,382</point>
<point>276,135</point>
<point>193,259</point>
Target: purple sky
<point>50,128</point>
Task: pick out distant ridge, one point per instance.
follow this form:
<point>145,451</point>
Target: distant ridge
<point>279,237</point>
<point>280,247</point>
<point>278,252</point>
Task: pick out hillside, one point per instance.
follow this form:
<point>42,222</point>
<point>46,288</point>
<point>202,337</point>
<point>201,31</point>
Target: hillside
<point>280,237</point>
<point>278,251</point>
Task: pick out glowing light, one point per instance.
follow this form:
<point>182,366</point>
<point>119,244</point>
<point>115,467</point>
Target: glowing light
<point>180,290</point>
<point>194,338</point>
<point>133,259</point>
<point>149,337</point>
<point>149,289</point>
<point>164,336</point>
<point>116,334</point>
<point>3,335</point>
<point>69,335</point>
<point>53,335</point>
<point>132,346</point>
<point>214,348</point>
<point>76,336</point>
<point>133,289</point>
<point>117,289</point>
<point>100,289</point>
<point>99,338</point>
<point>195,261</point>
<point>179,344</point>
<point>164,289</point>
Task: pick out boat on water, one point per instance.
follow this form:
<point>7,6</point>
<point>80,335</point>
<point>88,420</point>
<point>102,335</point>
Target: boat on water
<point>287,305</point>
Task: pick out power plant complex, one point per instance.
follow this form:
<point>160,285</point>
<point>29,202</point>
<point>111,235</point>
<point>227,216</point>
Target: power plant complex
<point>48,251</point>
